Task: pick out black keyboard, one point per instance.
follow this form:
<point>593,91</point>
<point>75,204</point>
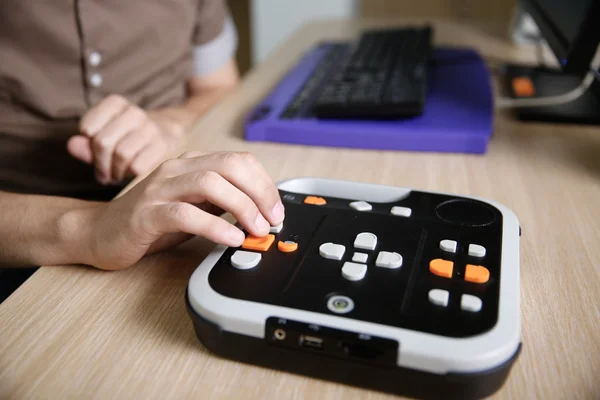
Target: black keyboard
<point>382,76</point>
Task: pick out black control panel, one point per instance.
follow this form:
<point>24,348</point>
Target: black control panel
<point>448,283</point>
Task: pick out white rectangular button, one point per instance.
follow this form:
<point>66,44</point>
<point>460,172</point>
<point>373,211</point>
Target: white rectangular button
<point>361,206</point>
<point>276,228</point>
<point>401,211</point>
<point>360,257</point>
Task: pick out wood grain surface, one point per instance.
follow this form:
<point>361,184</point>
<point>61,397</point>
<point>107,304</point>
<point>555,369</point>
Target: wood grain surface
<point>79,333</point>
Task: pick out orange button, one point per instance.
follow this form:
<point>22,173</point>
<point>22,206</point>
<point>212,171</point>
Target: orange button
<point>287,247</point>
<point>441,267</point>
<point>317,201</point>
<point>523,86</point>
<point>258,243</point>
<point>476,274</point>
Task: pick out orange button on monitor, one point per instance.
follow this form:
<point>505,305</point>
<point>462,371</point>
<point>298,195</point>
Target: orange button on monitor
<point>258,243</point>
<point>523,86</point>
<point>317,201</point>
<point>287,247</point>
<point>476,274</point>
<point>441,267</point>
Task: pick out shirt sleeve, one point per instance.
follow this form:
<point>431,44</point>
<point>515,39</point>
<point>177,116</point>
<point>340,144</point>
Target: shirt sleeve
<point>215,38</point>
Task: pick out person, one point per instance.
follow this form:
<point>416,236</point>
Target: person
<point>94,94</point>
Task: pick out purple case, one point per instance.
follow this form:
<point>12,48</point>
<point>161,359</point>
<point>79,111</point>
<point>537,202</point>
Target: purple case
<point>457,118</point>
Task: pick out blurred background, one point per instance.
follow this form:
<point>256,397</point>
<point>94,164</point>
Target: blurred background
<point>264,24</point>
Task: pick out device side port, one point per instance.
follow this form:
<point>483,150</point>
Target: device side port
<point>356,350</point>
<point>332,342</point>
<point>311,341</point>
<point>279,334</point>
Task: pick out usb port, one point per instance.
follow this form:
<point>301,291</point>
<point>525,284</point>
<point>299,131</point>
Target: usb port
<point>311,341</point>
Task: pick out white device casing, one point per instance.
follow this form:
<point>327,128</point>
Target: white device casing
<point>417,350</point>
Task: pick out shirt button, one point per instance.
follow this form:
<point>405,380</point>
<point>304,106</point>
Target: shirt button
<point>95,59</point>
<point>96,80</point>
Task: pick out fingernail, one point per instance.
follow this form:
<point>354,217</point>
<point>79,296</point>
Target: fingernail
<point>235,236</point>
<point>278,211</point>
<point>101,178</point>
<point>261,223</point>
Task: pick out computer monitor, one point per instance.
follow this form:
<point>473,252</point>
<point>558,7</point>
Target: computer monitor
<point>571,28</point>
<point>569,94</point>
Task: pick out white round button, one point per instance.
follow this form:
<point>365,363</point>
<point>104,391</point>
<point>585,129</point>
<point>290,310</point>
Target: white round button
<point>448,245</point>
<point>470,303</point>
<point>439,297</point>
<point>332,251</point>
<point>366,241</point>
<point>245,259</point>
<point>388,259</point>
<point>476,250</point>
<point>401,211</point>
<point>340,304</point>
<point>95,59</point>
<point>96,80</point>
<point>354,271</point>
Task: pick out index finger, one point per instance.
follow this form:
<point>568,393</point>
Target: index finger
<point>245,172</point>
<point>242,171</point>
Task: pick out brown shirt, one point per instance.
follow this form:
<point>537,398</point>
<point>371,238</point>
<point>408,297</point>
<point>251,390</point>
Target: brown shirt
<point>59,58</point>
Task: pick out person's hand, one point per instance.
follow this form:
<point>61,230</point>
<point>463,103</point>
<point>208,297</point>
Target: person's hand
<point>177,200</point>
<point>121,140</point>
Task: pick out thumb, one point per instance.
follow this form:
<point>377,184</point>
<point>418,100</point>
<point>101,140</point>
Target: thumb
<point>80,147</point>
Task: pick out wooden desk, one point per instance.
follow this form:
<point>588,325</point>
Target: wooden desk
<point>81,333</point>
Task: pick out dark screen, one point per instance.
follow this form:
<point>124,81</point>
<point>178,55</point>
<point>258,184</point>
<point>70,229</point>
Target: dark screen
<point>567,15</point>
<point>571,29</point>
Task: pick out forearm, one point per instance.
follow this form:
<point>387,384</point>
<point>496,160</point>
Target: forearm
<point>182,118</point>
<point>204,92</point>
<point>43,230</point>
